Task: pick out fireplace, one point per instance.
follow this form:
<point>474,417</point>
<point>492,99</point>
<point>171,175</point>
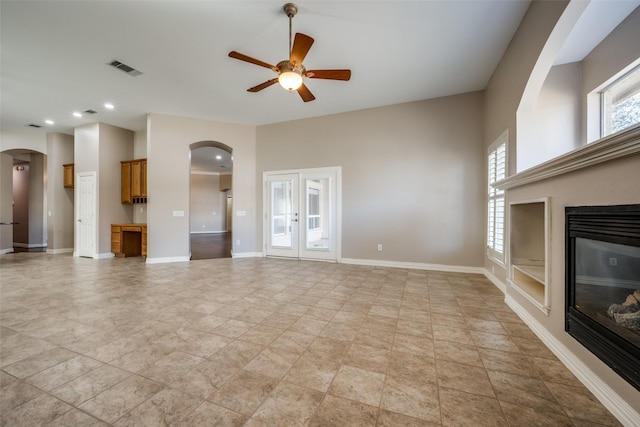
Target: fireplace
<point>603,284</point>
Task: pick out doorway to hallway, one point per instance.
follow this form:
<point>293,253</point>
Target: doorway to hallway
<point>210,192</point>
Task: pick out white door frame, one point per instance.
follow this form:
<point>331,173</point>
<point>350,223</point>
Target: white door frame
<point>77,216</point>
<point>335,254</point>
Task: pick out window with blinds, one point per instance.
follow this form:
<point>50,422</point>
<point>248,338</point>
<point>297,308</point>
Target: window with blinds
<point>497,170</point>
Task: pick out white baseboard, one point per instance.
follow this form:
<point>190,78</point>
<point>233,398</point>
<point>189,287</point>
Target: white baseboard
<point>209,232</point>
<point>167,259</point>
<point>59,251</point>
<point>6,251</point>
<point>413,265</point>
<point>601,390</point>
<point>497,282</point>
<point>104,255</point>
<point>246,254</point>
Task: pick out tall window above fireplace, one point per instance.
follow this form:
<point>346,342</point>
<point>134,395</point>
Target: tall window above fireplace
<point>603,284</point>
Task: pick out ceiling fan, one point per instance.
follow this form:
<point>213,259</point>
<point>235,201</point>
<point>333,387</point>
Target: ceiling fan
<point>291,71</point>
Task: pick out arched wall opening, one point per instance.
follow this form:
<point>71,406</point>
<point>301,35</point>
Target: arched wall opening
<point>24,222</point>
<point>210,200</point>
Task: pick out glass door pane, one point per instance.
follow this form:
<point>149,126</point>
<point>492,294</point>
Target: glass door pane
<point>317,196</point>
<point>283,215</point>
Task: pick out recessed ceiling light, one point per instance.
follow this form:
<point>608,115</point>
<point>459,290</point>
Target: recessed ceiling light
<point>109,106</point>
<point>218,157</point>
<point>49,122</point>
<point>76,114</point>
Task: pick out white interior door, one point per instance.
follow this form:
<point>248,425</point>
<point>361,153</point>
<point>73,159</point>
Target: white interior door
<point>302,217</point>
<point>86,214</point>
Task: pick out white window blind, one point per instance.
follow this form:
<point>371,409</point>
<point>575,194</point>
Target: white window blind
<point>497,170</point>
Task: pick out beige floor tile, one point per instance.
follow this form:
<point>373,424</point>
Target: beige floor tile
<point>244,392</point>
<point>447,333</point>
<point>289,405</point>
<point>313,372</point>
<point>76,417</point>
<point>522,415</point>
<point>116,401</point>
<point>455,352</point>
<point>393,419</point>
<point>272,362</point>
<point>580,404</point>
<point>90,384</point>
<point>209,414</point>
<point>410,365</point>
<point>337,412</point>
<point>465,409</point>
<point>358,384</point>
<point>465,378</point>
<point>165,408</point>
<point>523,391</point>
<point>370,358</point>
<point>39,362</point>
<point>35,412</point>
<point>263,342</point>
<point>63,372</point>
<point>16,393</point>
<point>412,397</point>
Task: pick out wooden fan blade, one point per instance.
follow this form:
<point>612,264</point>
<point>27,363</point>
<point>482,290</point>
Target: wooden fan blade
<point>241,57</point>
<point>329,74</point>
<point>301,45</point>
<point>305,93</point>
<point>263,85</point>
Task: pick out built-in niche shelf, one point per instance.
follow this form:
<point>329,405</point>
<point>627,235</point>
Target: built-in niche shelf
<point>529,238</point>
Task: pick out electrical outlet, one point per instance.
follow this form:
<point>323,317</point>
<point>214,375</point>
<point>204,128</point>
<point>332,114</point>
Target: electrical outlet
<point>237,241</point>
<point>379,246</point>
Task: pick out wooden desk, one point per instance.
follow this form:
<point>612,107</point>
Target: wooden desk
<point>129,240</point>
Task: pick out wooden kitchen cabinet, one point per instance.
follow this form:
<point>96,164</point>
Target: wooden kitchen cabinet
<point>133,181</point>
<point>129,240</point>
<point>68,175</point>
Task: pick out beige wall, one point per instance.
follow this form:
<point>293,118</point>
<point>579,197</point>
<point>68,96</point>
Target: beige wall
<point>207,204</point>
<point>60,222</point>
<point>168,167</point>
<point>507,85</point>
<point>554,125</point>
<point>412,176</point>
<point>100,147</point>
<point>115,145</point>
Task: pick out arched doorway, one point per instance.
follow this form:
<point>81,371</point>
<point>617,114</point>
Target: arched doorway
<point>210,199</point>
<point>24,223</point>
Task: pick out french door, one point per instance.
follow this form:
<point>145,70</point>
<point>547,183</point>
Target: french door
<point>302,214</point>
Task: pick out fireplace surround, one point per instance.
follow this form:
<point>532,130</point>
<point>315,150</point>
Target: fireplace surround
<point>603,284</point>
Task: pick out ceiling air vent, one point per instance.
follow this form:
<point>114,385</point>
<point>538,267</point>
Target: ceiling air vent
<point>124,67</point>
<point>33,125</point>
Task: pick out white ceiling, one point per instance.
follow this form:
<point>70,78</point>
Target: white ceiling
<point>54,56</point>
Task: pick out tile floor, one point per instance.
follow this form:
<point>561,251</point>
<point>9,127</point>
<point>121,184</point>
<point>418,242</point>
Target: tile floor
<point>264,342</point>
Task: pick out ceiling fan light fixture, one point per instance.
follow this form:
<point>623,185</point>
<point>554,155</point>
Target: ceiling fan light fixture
<point>290,80</point>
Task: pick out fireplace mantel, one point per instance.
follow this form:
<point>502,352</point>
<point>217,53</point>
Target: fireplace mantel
<point>616,146</point>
